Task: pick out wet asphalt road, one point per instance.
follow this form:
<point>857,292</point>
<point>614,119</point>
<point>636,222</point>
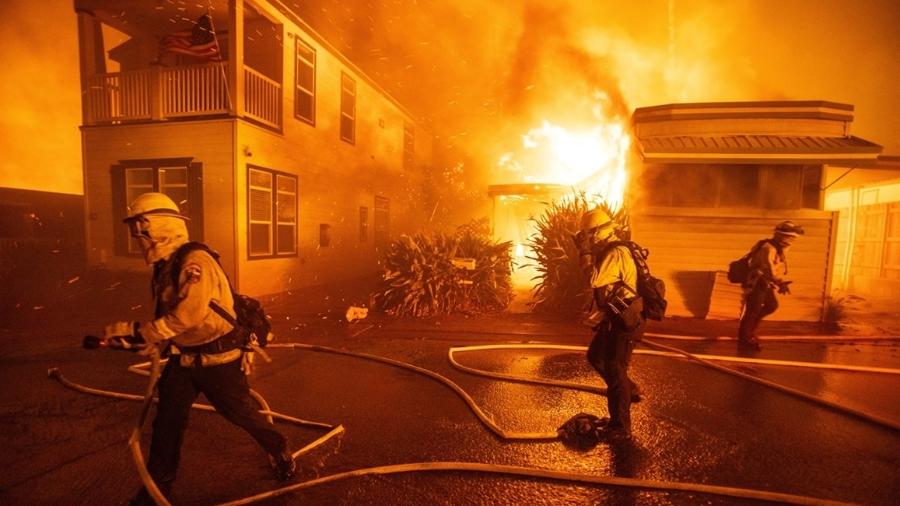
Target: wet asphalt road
<point>695,424</point>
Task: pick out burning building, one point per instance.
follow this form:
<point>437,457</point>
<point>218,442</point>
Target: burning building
<point>707,182</point>
<point>717,177</point>
<point>290,161</point>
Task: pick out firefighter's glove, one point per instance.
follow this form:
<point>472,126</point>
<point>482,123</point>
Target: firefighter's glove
<point>247,363</point>
<point>124,335</point>
<point>784,288</point>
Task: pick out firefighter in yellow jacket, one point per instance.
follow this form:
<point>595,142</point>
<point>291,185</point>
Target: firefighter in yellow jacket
<point>768,268</point>
<point>204,349</point>
<point>613,278</point>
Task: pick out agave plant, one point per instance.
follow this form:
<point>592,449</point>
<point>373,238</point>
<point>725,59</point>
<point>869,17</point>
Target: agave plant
<point>488,287</point>
<point>420,278</point>
<point>562,286</point>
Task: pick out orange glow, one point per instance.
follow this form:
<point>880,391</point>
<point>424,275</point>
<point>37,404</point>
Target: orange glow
<point>591,160</point>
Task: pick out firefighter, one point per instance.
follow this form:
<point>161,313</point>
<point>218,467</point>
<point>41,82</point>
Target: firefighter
<point>204,350</point>
<point>620,324</point>
<point>768,268</point>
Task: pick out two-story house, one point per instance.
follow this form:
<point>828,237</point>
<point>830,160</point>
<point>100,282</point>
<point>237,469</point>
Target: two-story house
<point>290,161</point>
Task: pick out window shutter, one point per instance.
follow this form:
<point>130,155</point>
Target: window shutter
<point>119,231</point>
<point>195,194</point>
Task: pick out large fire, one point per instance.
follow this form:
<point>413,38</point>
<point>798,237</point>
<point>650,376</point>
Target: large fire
<point>589,161</point>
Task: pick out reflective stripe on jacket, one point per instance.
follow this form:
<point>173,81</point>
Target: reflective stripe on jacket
<point>183,313</point>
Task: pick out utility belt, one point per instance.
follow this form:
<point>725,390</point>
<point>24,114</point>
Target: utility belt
<point>225,349</point>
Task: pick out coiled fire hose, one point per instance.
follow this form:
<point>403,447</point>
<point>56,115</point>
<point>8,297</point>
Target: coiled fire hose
<point>453,466</point>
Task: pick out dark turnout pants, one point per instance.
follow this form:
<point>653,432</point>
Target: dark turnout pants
<point>226,388</point>
<point>761,302</point>
<point>610,354</point>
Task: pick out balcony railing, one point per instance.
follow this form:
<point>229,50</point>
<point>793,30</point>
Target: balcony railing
<point>160,93</point>
<point>119,96</point>
<point>262,98</point>
<point>194,90</point>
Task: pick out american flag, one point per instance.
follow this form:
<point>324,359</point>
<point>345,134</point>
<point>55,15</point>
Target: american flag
<point>199,42</point>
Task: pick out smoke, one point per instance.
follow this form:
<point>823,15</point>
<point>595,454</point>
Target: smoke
<point>484,73</point>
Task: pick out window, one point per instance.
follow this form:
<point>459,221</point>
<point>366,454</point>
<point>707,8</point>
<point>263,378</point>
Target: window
<point>305,83</point>
<point>363,224</point>
<point>382,220</point>
<point>409,147</point>
<point>324,235</point>
<point>348,109</point>
<point>177,178</point>
<point>733,185</point>
<point>271,213</point>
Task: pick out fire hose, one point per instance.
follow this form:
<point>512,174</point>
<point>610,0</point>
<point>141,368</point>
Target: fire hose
<point>706,360</point>
<point>134,441</point>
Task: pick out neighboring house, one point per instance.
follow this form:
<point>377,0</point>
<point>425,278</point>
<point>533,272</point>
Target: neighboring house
<point>867,252</point>
<point>717,177</point>
<point>291,162</point>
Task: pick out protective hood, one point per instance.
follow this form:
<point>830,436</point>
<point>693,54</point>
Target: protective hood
<point>166,234</point>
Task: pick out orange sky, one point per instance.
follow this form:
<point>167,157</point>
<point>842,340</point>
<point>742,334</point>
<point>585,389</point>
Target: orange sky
<point>491,69</point>
<point>41,111</point>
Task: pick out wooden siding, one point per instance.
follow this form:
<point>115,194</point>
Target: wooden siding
<point>208,142</point>
<point>688,246</point>
<point>335,179</point>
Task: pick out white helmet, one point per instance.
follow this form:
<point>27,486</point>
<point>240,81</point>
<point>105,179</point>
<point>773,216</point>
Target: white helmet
<point>158,225</point>
<point>155,204</point>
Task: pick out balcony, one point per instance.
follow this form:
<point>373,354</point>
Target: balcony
<point>164,93</point>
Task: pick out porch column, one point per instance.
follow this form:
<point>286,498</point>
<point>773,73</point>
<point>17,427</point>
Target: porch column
<point>236,56</point>
<point>90,56</point>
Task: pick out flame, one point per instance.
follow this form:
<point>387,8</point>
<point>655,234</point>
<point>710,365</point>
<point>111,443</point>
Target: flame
<point>592,160</point>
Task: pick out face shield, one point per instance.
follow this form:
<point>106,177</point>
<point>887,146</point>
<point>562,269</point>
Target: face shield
<point>157,235</point>
<point>139,229</point>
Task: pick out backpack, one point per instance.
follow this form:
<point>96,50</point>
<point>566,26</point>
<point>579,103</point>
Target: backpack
<point>650,288</point>
<point>739,270</point>
<point>250,314</point>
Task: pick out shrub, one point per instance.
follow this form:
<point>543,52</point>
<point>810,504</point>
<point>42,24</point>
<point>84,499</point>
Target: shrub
<point>420,279</point>
<point>563,288</point>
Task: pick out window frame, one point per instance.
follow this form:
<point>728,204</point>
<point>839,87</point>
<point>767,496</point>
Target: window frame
<point>298,89</point>
<point>351,116</point>
<point>363,224</point>
<point>381,229</point>
<point>273,222</point>
<point>193,187</point>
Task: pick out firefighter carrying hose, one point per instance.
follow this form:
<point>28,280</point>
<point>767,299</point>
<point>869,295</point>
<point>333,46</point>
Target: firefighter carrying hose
<point>619,318</point>
<point>205,350</point>
<point>767,271</point>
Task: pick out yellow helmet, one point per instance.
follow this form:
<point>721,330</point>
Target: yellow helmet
<point>154,204</point>
<point>598,223</point>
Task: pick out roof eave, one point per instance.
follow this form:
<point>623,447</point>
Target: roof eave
<point>854,159</point>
